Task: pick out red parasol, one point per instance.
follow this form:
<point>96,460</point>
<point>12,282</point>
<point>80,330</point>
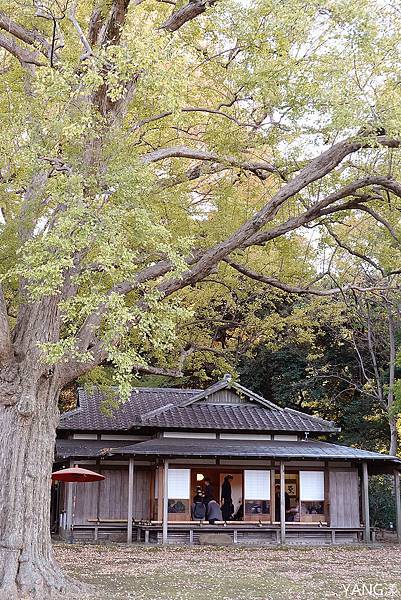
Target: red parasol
<point>76,474</point>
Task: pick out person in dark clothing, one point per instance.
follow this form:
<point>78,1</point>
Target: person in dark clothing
<point>207,491</point>
<point>198,511</point>
<point>277,504</point>
<point>199,497</point>
<point>226,496</point>
<point>198,507</point>
<point>239,515</point>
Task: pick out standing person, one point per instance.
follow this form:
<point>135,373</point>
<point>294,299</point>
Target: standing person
<point>226,496</point>
<point>277,503</point>
<point>207,491</point>
<point>213,512</point>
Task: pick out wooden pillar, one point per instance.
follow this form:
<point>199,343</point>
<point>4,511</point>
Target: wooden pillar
<point>365,501</point>
<point>397,503</point>
<point>160,486</point>
<point>130,511</point>
<point>272,495</point>
<point>165,502</point>
<point>282,502</point>
<point>326,503</point>
<point>96,532</point>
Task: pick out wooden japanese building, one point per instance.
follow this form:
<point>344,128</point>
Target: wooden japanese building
<point>290,483</point>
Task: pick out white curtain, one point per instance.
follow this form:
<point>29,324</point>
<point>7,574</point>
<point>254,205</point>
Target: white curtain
<point>311,485</point>
<point>178,483</point>
<point>257,484</point>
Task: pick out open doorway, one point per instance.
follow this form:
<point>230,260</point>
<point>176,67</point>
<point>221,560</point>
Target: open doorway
<point>216,477</point>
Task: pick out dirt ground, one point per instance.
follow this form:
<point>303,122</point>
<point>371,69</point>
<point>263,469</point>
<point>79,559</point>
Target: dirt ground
<point>235,573</point>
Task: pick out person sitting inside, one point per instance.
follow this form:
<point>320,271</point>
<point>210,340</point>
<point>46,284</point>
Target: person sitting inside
<point>199,497</point>
<point>239,514</point>
<point>213,512</point>
<point>198,506</point>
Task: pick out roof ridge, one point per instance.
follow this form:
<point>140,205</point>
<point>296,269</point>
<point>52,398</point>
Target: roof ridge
<point>156,411</point>
<point>315,417</point>
<point>229,383</point>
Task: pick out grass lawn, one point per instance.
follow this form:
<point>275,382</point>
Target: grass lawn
<point>235,573</point>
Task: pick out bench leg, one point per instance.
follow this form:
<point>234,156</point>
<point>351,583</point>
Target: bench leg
<point>235,536</point>
<point>96,533</point>
<point>277,536</point>
<point>191,536</point>
<point>146,536</point>
<point>333,536</point>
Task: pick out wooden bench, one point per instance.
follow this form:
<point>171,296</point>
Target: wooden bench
<point>235,527</point>
<point>238,529</point>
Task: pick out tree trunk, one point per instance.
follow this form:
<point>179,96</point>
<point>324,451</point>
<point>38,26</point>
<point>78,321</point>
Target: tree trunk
<point>393,436</point>
<point>27,566</point>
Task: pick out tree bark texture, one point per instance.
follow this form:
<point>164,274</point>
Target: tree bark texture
<point>29,416</point>
<point>27,566</point>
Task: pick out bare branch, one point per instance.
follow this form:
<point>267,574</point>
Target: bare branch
<point>353,252</point>
<point>379,383</point>
<point>292,289</point>
<point>392,356</point>
<point>85,43</point>
<point>258,168</point>
<point>360,359</point>
<point>192,109</point>
<point>380,219</point>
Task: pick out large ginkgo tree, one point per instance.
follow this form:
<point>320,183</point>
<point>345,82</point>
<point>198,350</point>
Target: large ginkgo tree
<point>144,144</point>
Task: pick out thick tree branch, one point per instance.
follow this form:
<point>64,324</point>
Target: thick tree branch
<point>26,57</point>
<point>190,11</point>
<point>202,263</point>
<point>315,170</point>
<point>107,31</point>
<point>31,37</point>
<point>324,207</point>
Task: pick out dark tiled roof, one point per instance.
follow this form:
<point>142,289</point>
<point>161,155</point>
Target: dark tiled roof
<point>89,415</point>
<point>168,408</point>
<point>249,449</point>
<point>248,417</point>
